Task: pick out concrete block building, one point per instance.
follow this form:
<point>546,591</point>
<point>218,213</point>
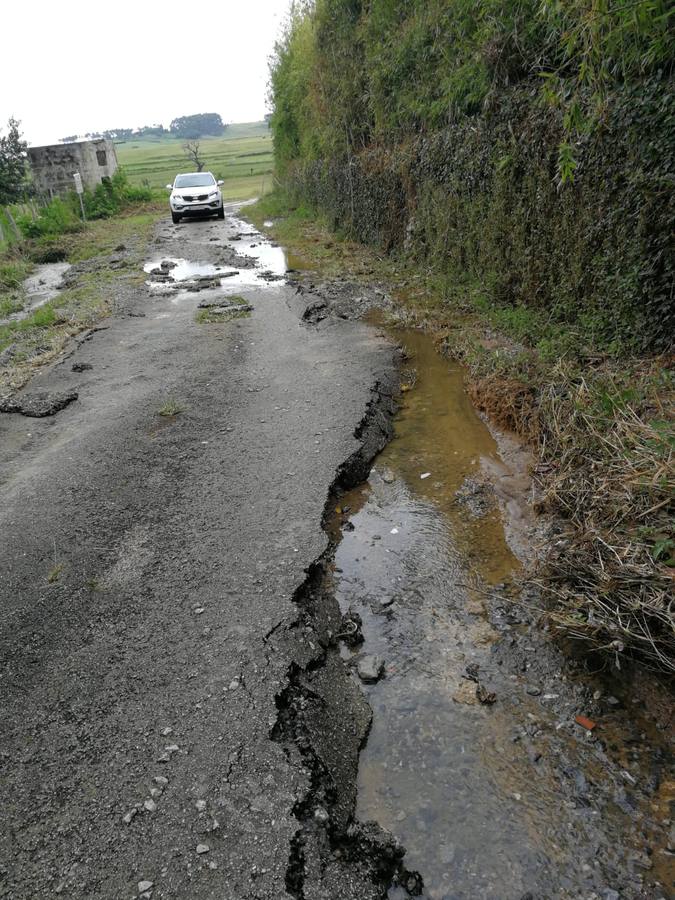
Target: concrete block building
<point>53,166</point>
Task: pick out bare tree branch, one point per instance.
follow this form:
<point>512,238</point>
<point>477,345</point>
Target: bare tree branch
<point>192,151</point>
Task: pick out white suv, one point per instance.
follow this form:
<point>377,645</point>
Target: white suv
<point>195,194</point>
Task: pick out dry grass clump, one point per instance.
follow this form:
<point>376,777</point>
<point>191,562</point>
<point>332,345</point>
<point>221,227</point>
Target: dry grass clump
<point>608,463</point>
<point>605,440</point>
<point>509,402</point>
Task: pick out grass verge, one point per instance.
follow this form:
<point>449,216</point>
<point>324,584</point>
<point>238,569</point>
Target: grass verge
<point>601,425</point>
<point>39,337</point>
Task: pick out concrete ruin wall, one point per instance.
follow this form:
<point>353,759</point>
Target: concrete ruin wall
<point>53,166</point>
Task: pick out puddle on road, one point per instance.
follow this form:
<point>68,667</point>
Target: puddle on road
<point>270,264</point>
<point>185,269</point>
<point>269,257</point>
<point>479,816</point>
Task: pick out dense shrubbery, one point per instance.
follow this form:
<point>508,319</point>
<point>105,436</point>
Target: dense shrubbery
<point>58,217</point>
<point>525,147</point>
<point>62,215</point>
<point>112,195</point>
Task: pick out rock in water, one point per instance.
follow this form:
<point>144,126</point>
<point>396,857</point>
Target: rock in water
<point>370,669</point>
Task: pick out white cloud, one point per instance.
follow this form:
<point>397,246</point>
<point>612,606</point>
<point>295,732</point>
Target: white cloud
<point>85,66</point>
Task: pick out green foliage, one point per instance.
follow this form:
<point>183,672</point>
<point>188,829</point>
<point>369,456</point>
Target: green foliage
<point>112,195</point>
<point>12,273</point>
<point>527,145</point>
<point>62,215</point>
<point>346,71</point>
<point>58,217</point>
<point>12,163</point>
<point>196,126</point>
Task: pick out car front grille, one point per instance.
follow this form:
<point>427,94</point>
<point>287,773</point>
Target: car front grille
<point>193,198</point>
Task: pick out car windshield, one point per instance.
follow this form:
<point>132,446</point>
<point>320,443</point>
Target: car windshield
<point>197,179</point>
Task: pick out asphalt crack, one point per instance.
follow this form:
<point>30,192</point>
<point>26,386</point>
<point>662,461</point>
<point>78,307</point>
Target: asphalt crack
<point>323,721</point>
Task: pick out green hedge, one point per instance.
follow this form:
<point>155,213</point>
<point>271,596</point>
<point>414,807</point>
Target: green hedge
<point>525,148</point>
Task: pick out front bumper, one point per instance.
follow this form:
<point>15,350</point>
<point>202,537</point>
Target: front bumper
<point>196,207</point>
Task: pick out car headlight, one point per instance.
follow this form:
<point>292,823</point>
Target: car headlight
<point>213,195</point>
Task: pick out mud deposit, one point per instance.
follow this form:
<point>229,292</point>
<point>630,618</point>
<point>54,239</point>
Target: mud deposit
<point>474,761</point>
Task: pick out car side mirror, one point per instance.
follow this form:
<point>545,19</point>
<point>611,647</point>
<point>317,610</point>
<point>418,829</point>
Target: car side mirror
<point>169,187</point>
<point>220,181</point>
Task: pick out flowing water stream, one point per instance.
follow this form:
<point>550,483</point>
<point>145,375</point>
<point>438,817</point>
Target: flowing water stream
<point>507,799</point>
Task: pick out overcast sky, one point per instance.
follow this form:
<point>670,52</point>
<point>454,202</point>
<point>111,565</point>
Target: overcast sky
<point>80,66</point>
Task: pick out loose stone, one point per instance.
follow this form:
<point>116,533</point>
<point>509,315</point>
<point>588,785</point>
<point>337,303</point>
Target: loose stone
<point>370,669</point>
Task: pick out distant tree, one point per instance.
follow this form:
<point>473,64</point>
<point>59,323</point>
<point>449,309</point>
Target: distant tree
<point>150,131</point>
<point>197,126</point>
<point>12,163</point>
<point>192,151</point>
<point>115,134</point>
<point>69,139</point>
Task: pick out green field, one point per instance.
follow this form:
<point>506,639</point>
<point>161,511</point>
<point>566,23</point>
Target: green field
<point>242,157</point>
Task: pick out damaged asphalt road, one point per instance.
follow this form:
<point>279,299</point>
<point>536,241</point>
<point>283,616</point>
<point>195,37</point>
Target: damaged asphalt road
<point>175,723</point>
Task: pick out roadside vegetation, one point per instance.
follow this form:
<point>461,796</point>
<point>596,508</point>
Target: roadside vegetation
<point>37,338</point>
<point>508,169</point>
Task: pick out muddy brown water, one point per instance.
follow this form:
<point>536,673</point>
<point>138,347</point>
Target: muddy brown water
<point>497,801</point>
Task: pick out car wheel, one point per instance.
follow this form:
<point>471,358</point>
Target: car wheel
<point>175,218</point>
<point>221,212</point>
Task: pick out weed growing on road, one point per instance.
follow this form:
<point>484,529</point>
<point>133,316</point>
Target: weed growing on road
<point>219,314</point>
<point>170,408</point>
<point>55,573</point>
